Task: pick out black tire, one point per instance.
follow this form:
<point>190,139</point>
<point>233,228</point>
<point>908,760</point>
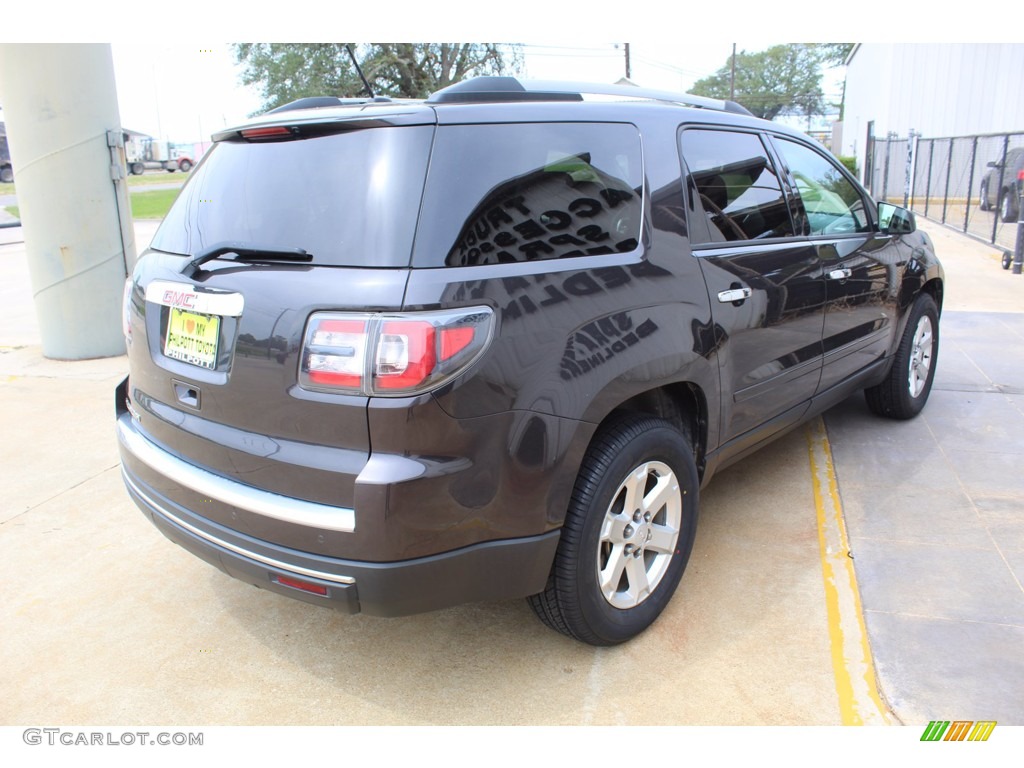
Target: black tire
<point>7,174</point>
<point>1008,206</point>
<point>629,454</point>
<point>905,390</point>
<point>1007,259</point>
<point>983,195</point>
<point>185,166</point>
<point>137,169</point>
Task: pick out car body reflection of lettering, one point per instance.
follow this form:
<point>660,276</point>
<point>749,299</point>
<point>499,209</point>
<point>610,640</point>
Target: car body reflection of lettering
<point>542,290</point>
<point>598,342</point>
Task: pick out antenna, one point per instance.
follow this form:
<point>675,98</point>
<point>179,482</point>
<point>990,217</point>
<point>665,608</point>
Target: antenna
<point>355,63</point>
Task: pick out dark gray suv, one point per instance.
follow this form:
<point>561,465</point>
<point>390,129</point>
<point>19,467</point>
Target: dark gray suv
<point>395,356</point>
<point>1002,184</point>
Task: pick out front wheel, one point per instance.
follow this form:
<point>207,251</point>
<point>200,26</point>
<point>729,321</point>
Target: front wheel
<point>627,534</point>
<point>983,195</point>
<point>905,390</point>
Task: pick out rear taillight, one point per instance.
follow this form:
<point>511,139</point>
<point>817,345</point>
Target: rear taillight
<point>391,354</point>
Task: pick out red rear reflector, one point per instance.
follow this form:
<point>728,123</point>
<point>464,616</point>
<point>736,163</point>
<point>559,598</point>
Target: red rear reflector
<point>1020,175</point>
<point>305,586</point>
<point>454,340</point>
<point>266,133</point>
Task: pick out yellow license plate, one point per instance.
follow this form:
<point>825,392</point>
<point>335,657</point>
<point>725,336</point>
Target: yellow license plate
<point>192,338</point>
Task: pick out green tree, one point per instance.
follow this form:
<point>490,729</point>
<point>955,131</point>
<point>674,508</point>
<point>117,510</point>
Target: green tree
<point>288,71</point>
<point>834,54</point>
<point>784,79</point>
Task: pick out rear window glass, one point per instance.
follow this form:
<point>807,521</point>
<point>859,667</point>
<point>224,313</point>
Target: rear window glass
<point>350,199</point>
<point>522,192</point>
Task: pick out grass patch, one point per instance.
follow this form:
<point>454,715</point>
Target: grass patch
<point>153,204</point>
<point>133,181</point>
<point>157,178</point>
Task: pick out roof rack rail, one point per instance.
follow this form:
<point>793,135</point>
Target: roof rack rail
<point>316,102</point>
<point>485,89</point>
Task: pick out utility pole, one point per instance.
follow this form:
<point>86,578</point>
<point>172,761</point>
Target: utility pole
<point>65,136</point>
<point>629,70</point>
<point>732,76</point>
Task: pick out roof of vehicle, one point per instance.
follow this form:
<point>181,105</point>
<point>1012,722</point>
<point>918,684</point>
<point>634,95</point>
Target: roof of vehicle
<point>489,99</point>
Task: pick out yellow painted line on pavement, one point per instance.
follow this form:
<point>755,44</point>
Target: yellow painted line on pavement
<point>854,669</point>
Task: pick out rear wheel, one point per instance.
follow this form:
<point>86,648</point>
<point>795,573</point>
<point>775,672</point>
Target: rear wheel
<point>1008,206</point>
<point>905,391</point>
<point>627,535</point>
<point>6,174</point>
<point>983,194</point>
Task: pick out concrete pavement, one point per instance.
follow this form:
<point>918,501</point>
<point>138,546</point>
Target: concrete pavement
<point>117,625</point>
<point>940,554</point>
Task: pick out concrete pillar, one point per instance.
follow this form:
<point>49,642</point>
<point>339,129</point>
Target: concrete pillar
<point>60,107</point>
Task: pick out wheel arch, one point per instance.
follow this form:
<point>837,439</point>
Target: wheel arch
<point>935,288</point>
<point>683,404</point>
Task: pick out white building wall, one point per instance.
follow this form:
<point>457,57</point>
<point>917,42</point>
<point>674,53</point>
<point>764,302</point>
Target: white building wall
<point>936,89</point>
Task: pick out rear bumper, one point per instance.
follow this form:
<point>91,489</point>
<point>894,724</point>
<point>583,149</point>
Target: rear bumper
<point>493,570</point>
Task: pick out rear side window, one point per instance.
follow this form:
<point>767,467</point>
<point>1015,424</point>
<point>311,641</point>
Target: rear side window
<point>350,199</point>
<point>737,185</point>
<point>523,192</point>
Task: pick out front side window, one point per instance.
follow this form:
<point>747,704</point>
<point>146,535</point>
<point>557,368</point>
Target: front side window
<point>507,193</point>
<point>832,204</point>
<point>737,185</point>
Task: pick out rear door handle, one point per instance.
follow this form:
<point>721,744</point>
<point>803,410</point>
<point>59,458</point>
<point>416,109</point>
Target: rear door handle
<point>734,294</point>
<point>840,274</point>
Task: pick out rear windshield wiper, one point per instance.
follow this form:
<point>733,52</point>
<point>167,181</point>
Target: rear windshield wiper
<point>249,254</point>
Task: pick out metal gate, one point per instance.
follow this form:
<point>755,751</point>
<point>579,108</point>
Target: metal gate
<point>942,179</point>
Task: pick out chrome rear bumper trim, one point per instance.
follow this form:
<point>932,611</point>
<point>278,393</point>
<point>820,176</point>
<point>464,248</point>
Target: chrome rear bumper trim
<point>245,497</point>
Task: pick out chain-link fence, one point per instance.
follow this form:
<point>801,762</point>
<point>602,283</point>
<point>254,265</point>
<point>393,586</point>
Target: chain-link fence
<point>966,182</point>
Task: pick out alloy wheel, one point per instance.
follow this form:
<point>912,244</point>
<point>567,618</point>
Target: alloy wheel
<point>639,534</point>
<point>921,352</point>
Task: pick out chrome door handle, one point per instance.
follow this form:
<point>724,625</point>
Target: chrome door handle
<point>734,294</point>
<point>840,274</point>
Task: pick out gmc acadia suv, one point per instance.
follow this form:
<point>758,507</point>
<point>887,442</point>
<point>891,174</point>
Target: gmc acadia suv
<point>395,356</point>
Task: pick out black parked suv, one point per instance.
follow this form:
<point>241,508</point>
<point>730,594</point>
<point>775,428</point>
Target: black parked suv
<point>395,356</point>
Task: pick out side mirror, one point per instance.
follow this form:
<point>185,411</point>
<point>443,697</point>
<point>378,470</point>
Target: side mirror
<point>993,163</point>
<point>893,220</point>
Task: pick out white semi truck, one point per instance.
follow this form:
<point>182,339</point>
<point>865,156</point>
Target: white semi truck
<point>144,152</point>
